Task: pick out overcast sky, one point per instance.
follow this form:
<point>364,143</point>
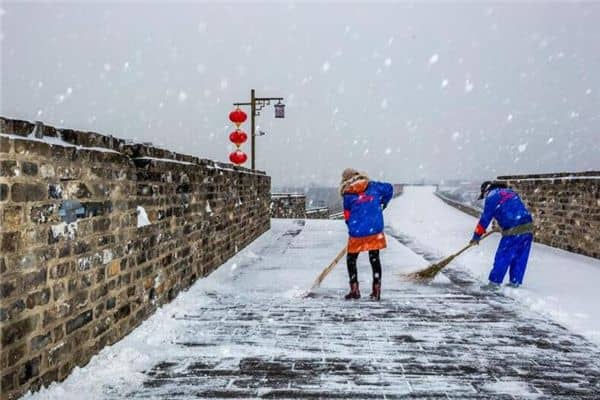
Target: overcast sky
<point>402,91</point>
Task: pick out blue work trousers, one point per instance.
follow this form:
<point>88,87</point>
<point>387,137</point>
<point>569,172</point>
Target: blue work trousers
<point>512,255</point>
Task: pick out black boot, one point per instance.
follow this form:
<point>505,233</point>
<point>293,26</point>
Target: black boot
<point>376,293</point>
<point>354,292</point>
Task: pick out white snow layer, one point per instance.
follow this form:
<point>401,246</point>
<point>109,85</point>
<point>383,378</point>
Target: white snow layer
<point>142,217</point>
<point>557,283</point>
<point>55,141</point>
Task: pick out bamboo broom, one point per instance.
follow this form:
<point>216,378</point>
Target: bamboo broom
<point>430,272</point>
<point>326,271</point>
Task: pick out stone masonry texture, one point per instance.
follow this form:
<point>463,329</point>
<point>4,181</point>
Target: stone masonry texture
<point>288,205</point>
<point>566,208</point>
<point>76,271</point>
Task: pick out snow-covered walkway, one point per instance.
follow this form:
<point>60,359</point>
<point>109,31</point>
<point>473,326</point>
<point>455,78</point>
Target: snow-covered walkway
<point>562,285</point>
<point>245,332</point>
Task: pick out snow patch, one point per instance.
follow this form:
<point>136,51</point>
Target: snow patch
<point>142,217</point>
<point>64,230</point>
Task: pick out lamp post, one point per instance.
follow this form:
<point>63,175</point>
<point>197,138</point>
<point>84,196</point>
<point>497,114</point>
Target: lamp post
<point>256,104</point>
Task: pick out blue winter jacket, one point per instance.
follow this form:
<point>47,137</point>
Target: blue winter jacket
<point>363,208</point>
<point>506,207</point>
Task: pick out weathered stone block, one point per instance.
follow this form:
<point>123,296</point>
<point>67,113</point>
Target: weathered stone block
<point>9,242</point>
<point>29,370</point>
<point>15,354</point>
<point>55,191</point>
<point>12,311</point>
<point>123,312</point>
<point>78,190</point>
<point>12,333</point>
<point>38,298</point>
<point>4,145</point>
<point>35,279</point>
<point>3,191</point>
<point>8,381</point>
<point>81,320</point>
<point>44,214</point>
<point>61,270</point>
<point>8,168</point>
<point>12,217</point>
<point>25,192</point>
<point>7,288</point>
<point>41,341</point>
<point>110,303</point>
<point>29,168</point>
<point>47,171</point>
<point>31,147</point>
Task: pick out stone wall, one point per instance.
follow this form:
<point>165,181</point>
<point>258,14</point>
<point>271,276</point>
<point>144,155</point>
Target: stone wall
<point>77,273</point>
<point>317,213</point>
<point>566,208</point>
<point>288,205</point>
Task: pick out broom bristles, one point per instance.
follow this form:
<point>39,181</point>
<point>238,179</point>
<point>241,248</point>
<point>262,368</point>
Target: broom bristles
<point>430,272</point>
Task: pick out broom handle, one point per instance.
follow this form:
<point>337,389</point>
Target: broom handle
<point>471,245</point>
<point>328,269</point>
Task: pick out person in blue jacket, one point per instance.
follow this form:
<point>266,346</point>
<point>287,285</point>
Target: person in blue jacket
<point>364,201</point>
<point>504,205</point>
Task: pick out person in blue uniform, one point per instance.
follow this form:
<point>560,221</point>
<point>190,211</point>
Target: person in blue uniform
<point>364,201</point>
<point>504,205</point>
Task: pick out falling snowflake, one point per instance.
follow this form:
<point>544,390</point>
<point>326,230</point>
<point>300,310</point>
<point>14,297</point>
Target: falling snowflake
<point>588,92</point>
<point>388,151</point>
<point>509,117</point>
<point>388,62</point>
<point>468,86</point>
<point>326,66</point>
<point>444,83</point>
<point>455,136</point>
<point>182,97</point>
<point>522,147</point>
<point>550,140</point>
<point>384,104</point>
<point>224,84</point>
<point>573,114</point>
<point>434,59</point>
<point>107,67</point>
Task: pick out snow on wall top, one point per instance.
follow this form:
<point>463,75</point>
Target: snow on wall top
<point>24,130</point>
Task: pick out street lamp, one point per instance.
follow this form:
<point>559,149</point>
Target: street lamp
<point>256,104</point>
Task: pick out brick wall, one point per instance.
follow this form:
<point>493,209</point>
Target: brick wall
<point>77,273</point>
<point>317,213</point>
<point>288,205</point>
<point>566,208</point>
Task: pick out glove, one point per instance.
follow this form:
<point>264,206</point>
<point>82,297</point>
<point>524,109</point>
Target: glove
<point>474,242</point>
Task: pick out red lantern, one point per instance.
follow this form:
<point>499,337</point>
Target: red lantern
<point>238,117</point>
<point>238,157</point>
<point>238,137</point>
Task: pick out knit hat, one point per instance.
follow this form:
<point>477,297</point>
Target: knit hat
<point>350,176</point>
<point>349,173</point>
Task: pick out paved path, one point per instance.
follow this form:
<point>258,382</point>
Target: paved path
<point>246,333</point>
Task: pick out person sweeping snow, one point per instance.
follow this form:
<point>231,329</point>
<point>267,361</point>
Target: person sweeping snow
<point>364,201</point>
<point>504,205</point>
